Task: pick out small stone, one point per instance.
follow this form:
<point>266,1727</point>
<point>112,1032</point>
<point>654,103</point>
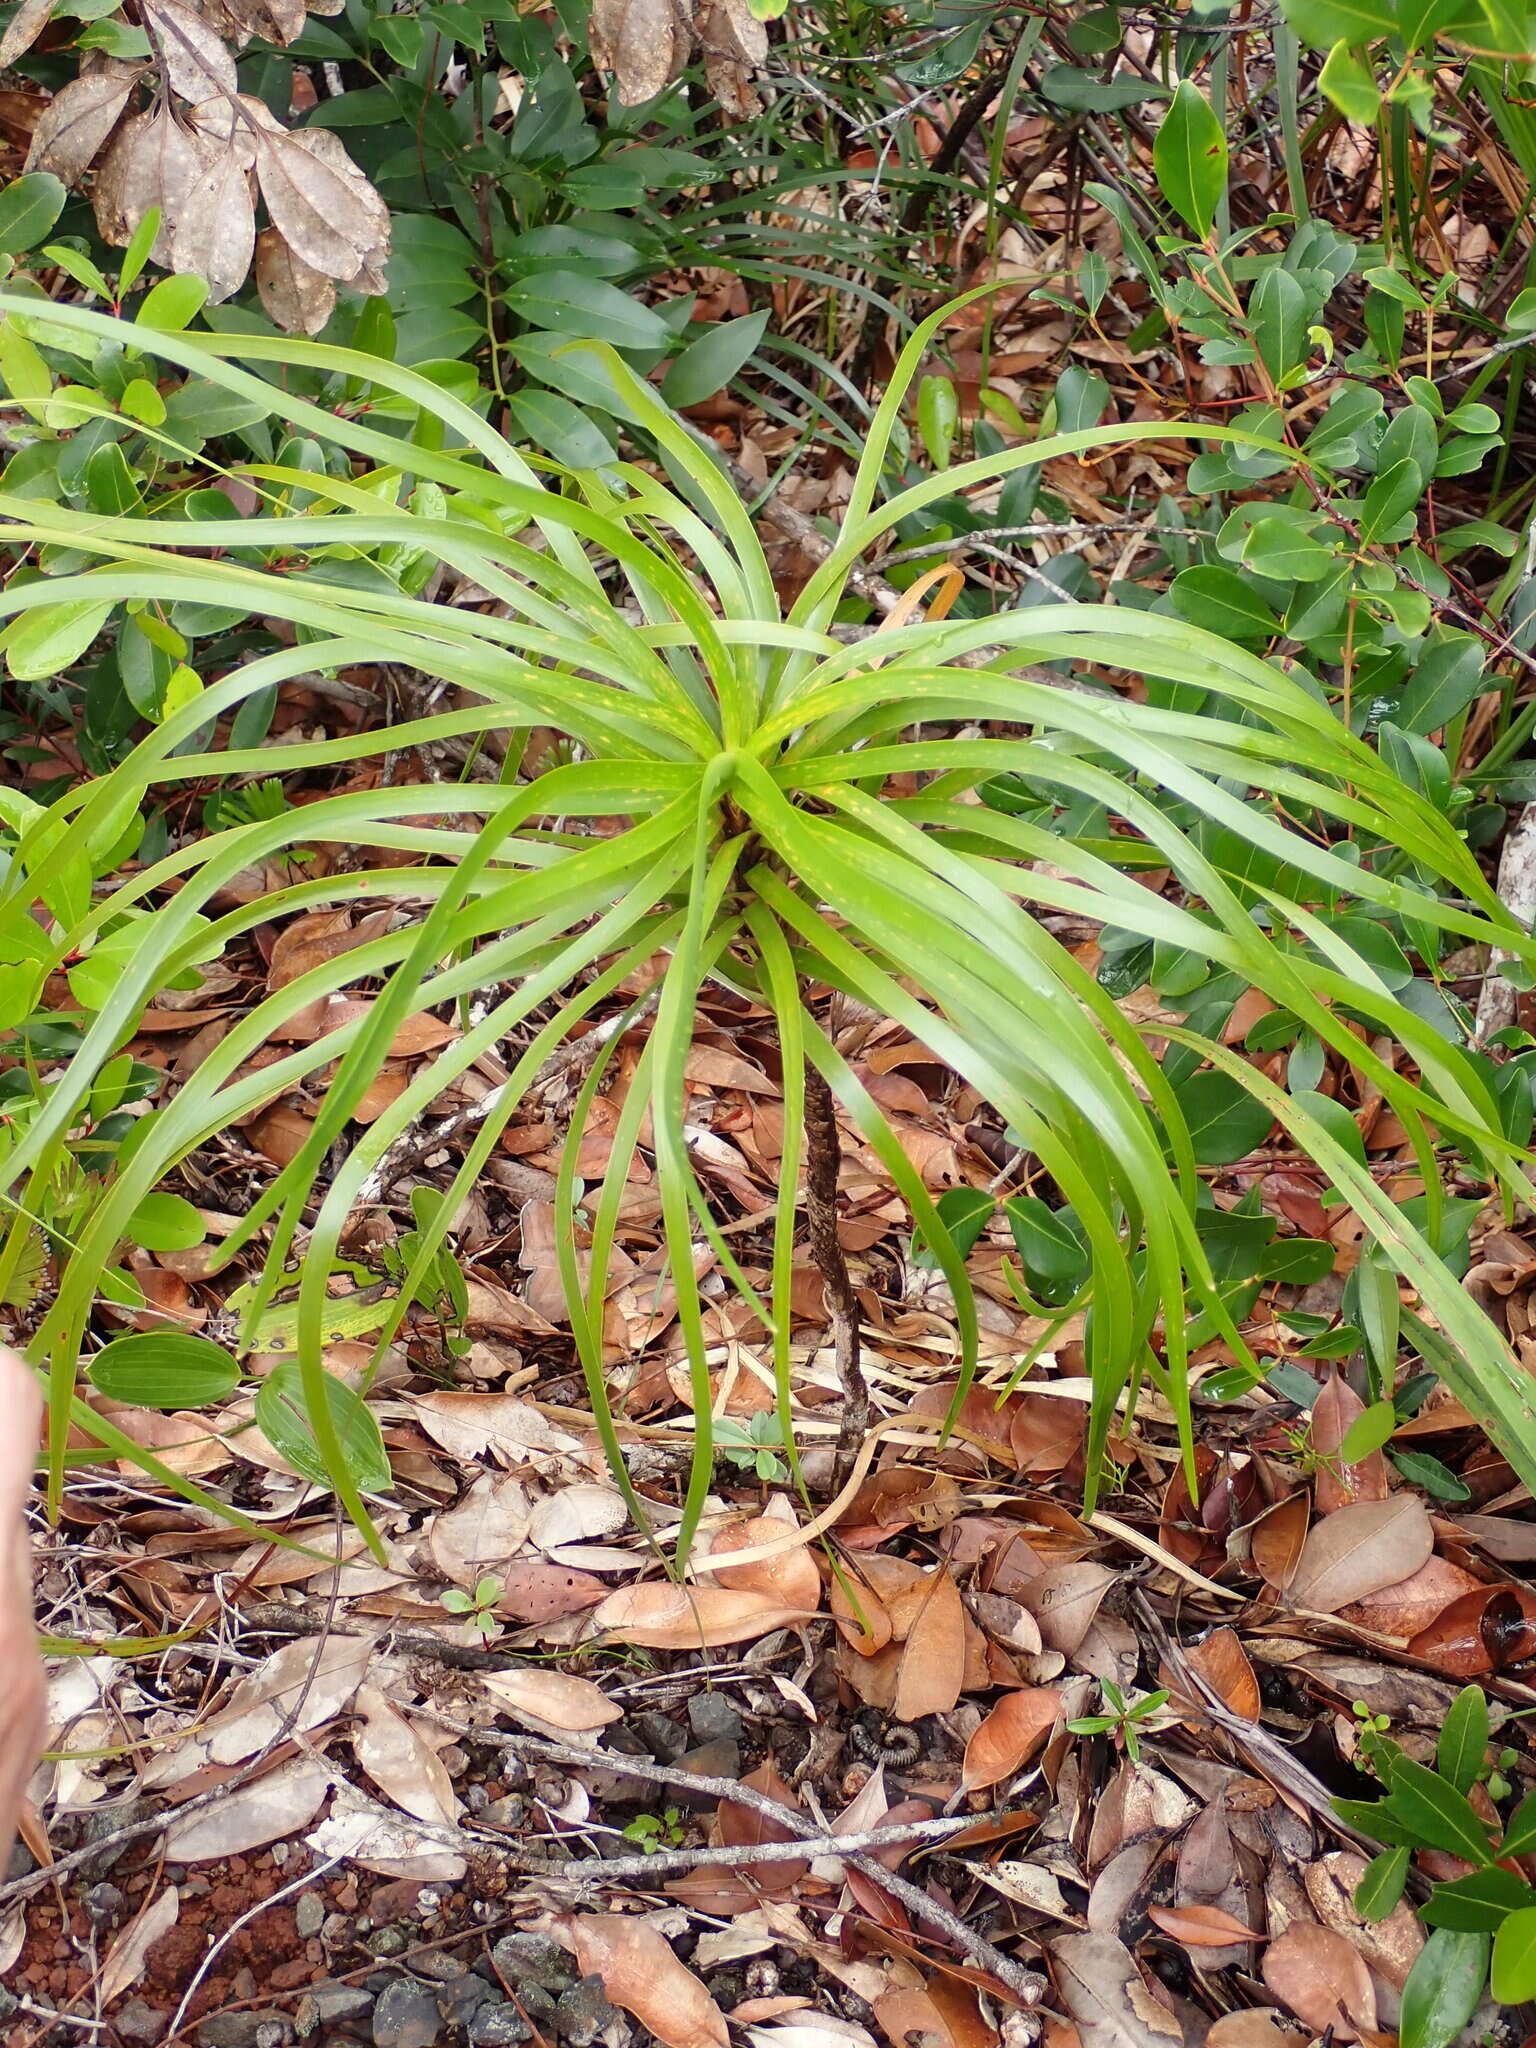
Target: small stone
<point>476,1799</point>
<point>660,1735</point>
<point>498,2026</point>
<point>441,1967</point>
<point>718,1759</point>
<point>333,2004</point>
<point>712,1718</point>
<point>100,1823</point>
<point>104,1903</point>
<point>454,1760</point>
<point>137,2021</point>
<point>309,1914</point>
<point>336,1930</point>
<point>468,1995</point>
<point>583,2012</point>
<point>508,1813</point>
<point>535,1959</point>
<point>406,2016</point>
<point>387,1941</point>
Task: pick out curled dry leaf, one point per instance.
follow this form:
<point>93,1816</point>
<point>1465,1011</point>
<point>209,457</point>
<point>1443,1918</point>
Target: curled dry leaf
<point>404,1766</point>
<point>1357,1550</point>
<point>153,161</point>
<point>1275,1545</point>
<point>215,233</point>
<point>321,211</point>
<point>641,1974</point>
<point>23,30</point>
<point>1009,1736</point>
<point>1323,1979</point>
<point>1412,1604</point>
<point>644,43</point>
<point>1223,1663</point>
<point>790,1577</point>
<point>659,1616</point>
<point>1103,1993</point>
<point>1199,1926</point>
<point>1480,1632</point>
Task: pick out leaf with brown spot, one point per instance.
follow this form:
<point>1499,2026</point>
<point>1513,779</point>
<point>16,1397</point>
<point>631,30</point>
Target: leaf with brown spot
<point>1275,1545</point>
<point>1337,1408</point>
<point>1199,1926</point>
<point>1358,1549</point>
<point>536,1592</point>
<point>1009,1736</point>
<point>1323,1979</point>
<point>1064,1599</point>
<point>641,1974</point>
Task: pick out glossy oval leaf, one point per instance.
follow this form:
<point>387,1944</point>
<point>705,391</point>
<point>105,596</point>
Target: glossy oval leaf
<point>163,1369</point>
<point>282,1416</point>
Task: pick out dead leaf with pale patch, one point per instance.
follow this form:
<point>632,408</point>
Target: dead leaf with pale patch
<point>1105,1996</point>
<point>401,1762</point>
<point>1359,1549</point>
<point>640,1973</point>
<point>552,1702</point>
<point>660,1616</point>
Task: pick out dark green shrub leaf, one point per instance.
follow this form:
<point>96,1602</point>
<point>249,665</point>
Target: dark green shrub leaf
<point>1443,1988</point>
<point>29,206</point>
<point>1055,1259</point>
<point>1222,602</point>
<point>282,1417</point>
<point>1189,158</point>
<point>586,308</point>
<point>1520,1835</point>
<point>1390,501</point>
<point>708,364</point>
<point>569,434</point>
<point>965,1214</point>
<point>1382,1885</point>
<point>1478,1904</point>
<point>1278,310</point>
<point>1225,1122</point>
<point>1442,1817</point>
<point>1514,1958</point>
<point>1084,92</point>
<point>1422,1468</point>
<point>163,1369</point>
<point>1463,1740</point>
<point>165,1223</point>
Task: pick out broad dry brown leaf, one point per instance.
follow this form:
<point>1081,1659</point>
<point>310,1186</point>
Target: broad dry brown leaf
<point>641,1974</point>
<point>153,161</point>
<point>535,1592</point>
<point>75,124</point>
<point>214,235</point>
<point>23,30</point>
<point>1334,1412</point>
<point>1103,1993</point>
<point>931,1673</point>
<point>1064,1599</point>
<point>270,1809</point>
<point>738,1826</point>
<point>659,1616</point>
<point>552,1701</point>
<point>644,43</point>
<point>1009,1736</point>
<point>332,221</point>
<point>1480,1632</point>
<point>1275,1545</point>
<point>401,1762</point>
<point>1223,1663</point>
<point>1259,2027</point>
<point>1357,1550</point>
<point>198,62</point>
<point>791,1577</point>
<point>1323,1979</point>
<point>483,1531</point>
<point>916,2019</point>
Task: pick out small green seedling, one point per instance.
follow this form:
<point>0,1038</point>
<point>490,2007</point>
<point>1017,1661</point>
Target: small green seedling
<point>656,1831</point>
<point>1124,1720</point>
<point>753,1446</point>
<point>477,1608</point>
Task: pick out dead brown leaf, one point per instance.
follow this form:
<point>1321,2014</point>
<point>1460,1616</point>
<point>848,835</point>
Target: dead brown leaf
<point>1334,1412</point>
<point>1323,1979</point>
<point>661,1616</point>
<point>931,1672</point>
<point>1201,1926</point>
<point>1103,1993</point>
<point>641,1974</point>
<point>1358,1549</point>
<point>1009,1736</point>
<point>791,1577</point>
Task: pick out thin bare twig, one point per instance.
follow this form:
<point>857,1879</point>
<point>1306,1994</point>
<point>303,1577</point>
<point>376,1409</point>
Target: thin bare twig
<point>738,1853</point>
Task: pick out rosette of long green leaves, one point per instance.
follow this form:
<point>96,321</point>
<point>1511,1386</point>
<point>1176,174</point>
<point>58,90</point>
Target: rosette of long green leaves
<point>739,758</point>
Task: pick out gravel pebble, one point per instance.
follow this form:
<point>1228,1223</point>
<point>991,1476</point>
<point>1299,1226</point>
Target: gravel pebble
<point>406,2016</point>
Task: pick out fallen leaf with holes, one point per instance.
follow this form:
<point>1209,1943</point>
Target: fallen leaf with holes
<point>125,1959</point>
<point>1322,1978</point>
<point>535,1592</point>
<point>1103,1993</point>
<point>641,1974</point>
<point>1009,1736</point>
<point>401,1762</point>
<point>1064,1599</point>
<point>1201,1926</point>
<point>1358,1549</point>
<point>661,1616</point>
<point>790,1577</point>
<point>552,1702</point>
